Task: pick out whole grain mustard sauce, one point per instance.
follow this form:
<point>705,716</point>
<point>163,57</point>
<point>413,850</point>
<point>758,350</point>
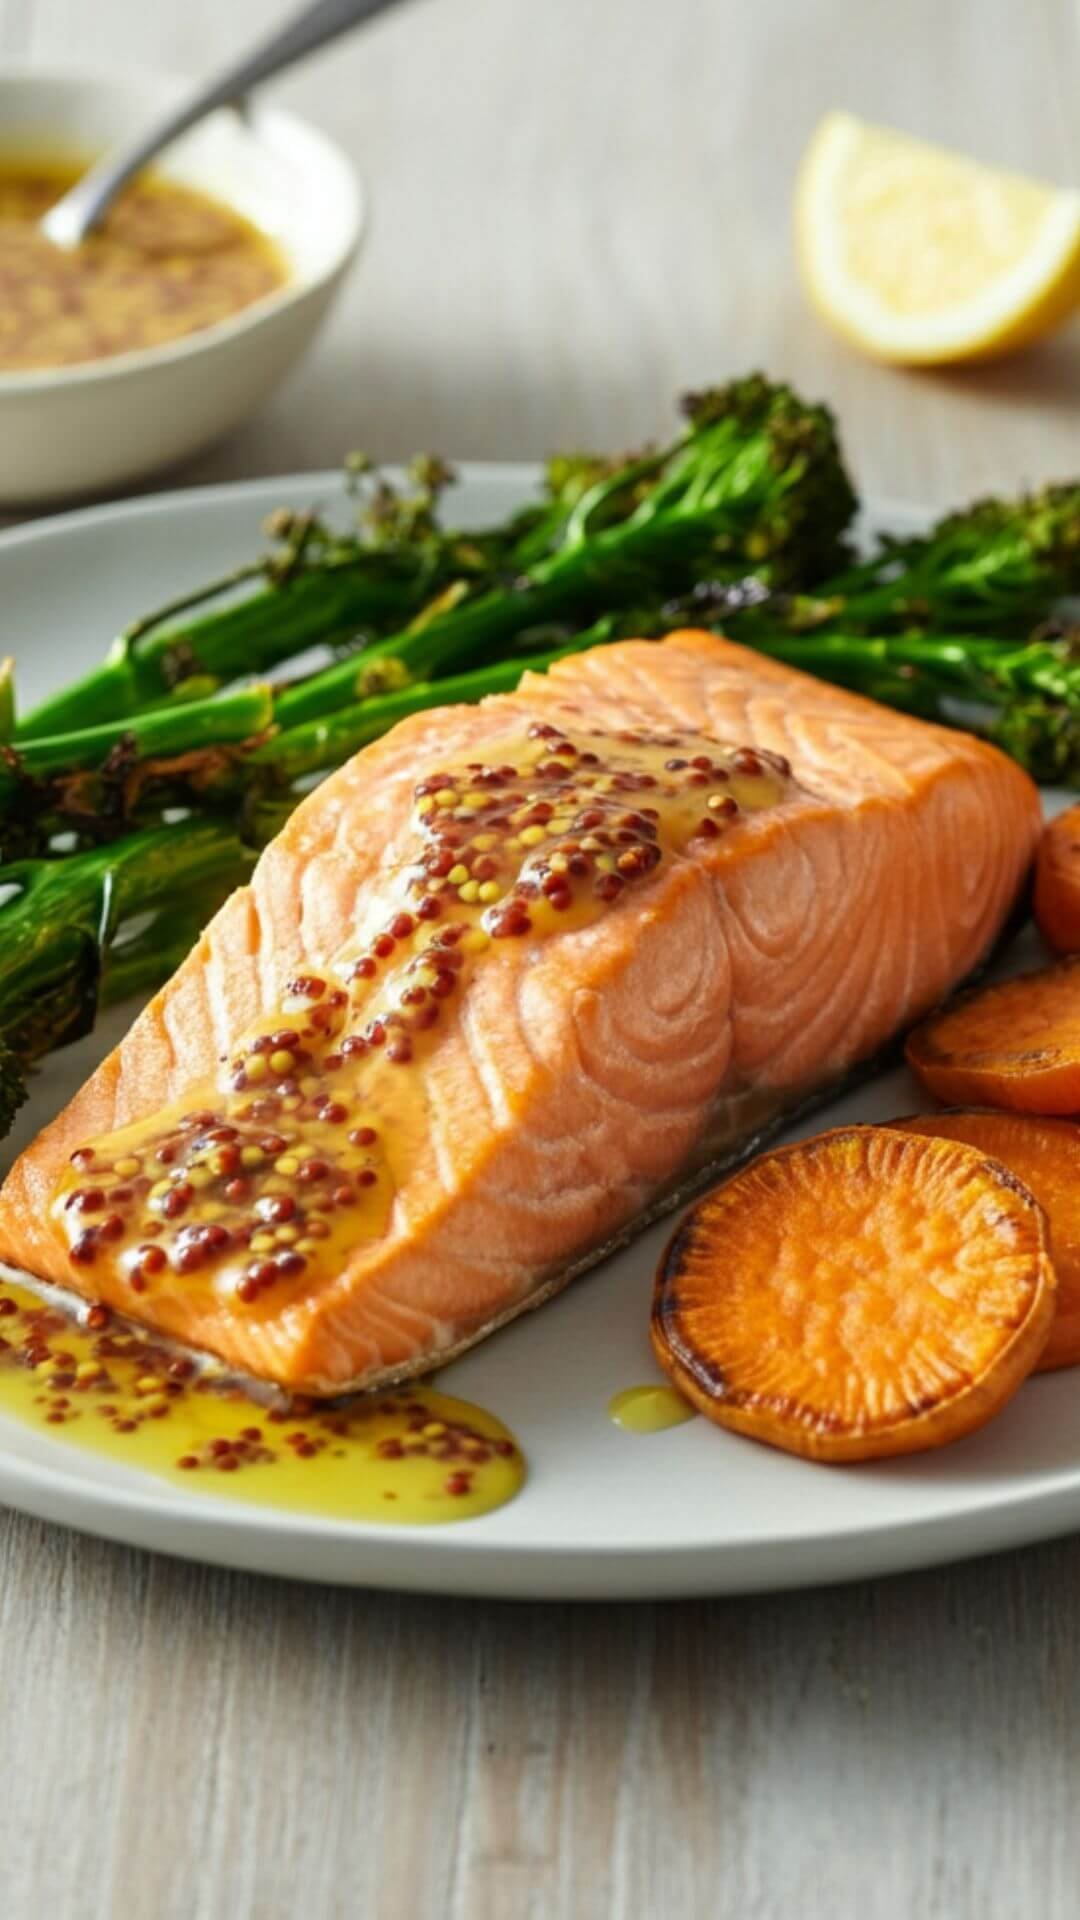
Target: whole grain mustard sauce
<point>408,1456</point>
<point>166,262</point>
<point>258,1184</point>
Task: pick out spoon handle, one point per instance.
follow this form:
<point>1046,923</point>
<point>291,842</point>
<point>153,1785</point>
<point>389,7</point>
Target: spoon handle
<point>73,217</point>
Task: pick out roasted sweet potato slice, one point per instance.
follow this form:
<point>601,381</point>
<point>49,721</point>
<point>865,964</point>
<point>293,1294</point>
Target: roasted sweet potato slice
<point>1057,882</point>
<point>1045,1155</point>
<point>1014,1045</point>
<point>863,1293</point>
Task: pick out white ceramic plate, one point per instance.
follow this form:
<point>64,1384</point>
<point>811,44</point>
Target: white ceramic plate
<point>605,1514</point>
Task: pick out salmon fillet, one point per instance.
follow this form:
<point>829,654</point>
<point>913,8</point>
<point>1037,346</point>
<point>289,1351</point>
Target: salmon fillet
<point>579,1071</point>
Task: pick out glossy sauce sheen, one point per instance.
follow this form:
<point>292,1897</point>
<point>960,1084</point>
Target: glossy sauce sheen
<point>650,1409</point>
<point>411,1457</point>
<point>259,1183</point>
<point>166,262</point>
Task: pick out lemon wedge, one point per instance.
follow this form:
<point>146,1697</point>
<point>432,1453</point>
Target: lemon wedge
<point>921,256</point>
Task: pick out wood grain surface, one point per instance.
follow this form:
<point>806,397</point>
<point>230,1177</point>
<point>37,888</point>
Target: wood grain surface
<point>580,206</point>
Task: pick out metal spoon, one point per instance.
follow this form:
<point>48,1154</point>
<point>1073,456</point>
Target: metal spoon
<point>72,218</point>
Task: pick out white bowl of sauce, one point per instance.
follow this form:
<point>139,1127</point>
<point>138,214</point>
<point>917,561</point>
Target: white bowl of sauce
<point>173,323</point>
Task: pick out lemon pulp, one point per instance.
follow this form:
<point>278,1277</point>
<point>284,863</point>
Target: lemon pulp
<point>919,255</point>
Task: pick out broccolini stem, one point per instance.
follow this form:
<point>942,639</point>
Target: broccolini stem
<point>138,965</point>
<point>59,918</point>
<point>225,719</point>
<point>960,666</point>
<point>105,779</point>
<point>252,636</point>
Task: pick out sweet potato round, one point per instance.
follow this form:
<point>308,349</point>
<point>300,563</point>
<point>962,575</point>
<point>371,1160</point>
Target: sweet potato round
<point>1014,1045</point>
<point>1045,1155</point>
<point>864,1293</point>
<point>1057,882</point>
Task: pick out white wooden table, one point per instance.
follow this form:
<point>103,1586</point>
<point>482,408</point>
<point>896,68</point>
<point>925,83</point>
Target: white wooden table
<point>581,206</point>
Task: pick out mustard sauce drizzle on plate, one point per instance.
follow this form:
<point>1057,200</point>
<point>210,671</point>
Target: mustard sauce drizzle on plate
<point>649,1409</point>
<point>409,1455</point>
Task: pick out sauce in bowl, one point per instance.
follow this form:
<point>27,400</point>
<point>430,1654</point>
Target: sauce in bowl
<point>166,262</point>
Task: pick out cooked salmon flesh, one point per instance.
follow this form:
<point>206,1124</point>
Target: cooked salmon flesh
<point>501,988</point>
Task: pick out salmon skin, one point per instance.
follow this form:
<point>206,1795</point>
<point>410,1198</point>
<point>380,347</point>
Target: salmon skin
<point>501,988</point>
